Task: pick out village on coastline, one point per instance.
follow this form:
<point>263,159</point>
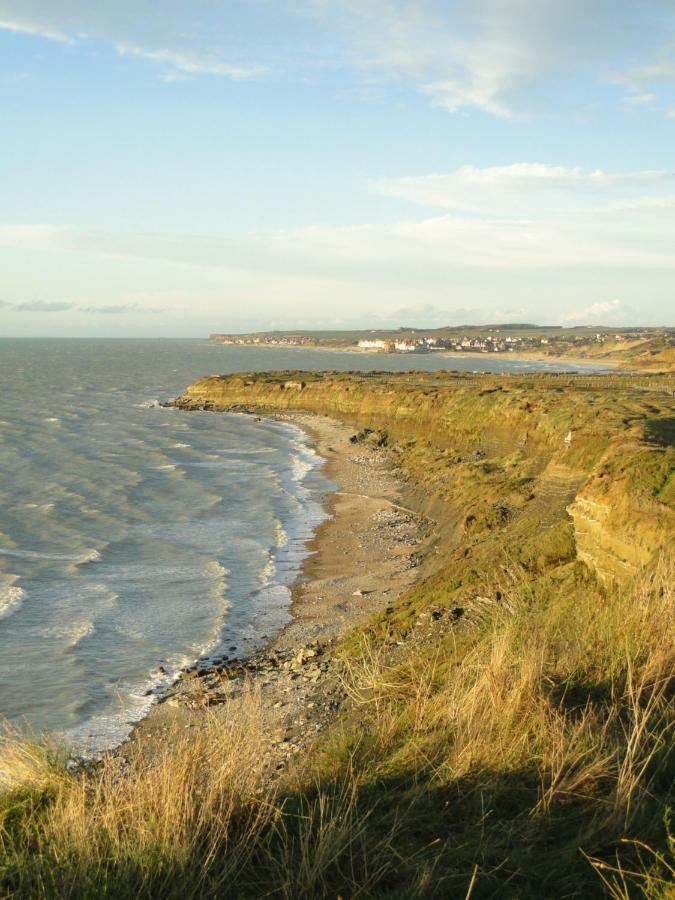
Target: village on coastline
<point>549,341</point>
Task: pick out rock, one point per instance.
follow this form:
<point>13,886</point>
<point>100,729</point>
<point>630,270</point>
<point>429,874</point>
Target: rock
<point>313,673</point>
<point>302,656</point>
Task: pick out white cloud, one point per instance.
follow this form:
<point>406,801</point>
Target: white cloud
<point>640,99</point>
<point>502,57</point>
<point>33,30</point>
<point>171,40</point>
<point>656,73</point>
<point>188,65</point>
<point>498,57</point>
<point>40,306</point>
<point>500,190</point>
<point>594,313</point>
<point>650,204</point>
<point>412,250</point>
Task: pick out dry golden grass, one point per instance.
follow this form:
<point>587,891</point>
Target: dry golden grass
<point>548,710</point>
<point>578,694</point>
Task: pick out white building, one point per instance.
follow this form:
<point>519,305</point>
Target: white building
<point>369,344</point>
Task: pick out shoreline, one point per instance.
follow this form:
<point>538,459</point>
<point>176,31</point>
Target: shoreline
<point>525,356</point>
<point>360,558</point>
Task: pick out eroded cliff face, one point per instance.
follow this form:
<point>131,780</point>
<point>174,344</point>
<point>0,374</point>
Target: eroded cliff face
<point>550,469</point>
<point>623,515</point>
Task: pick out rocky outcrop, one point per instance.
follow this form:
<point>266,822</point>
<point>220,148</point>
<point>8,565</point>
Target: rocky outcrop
<point>544,448</point>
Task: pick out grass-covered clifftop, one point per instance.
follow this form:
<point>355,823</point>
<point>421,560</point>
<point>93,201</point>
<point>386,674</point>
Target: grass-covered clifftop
<point>501,458</point>
<point>508,726</point>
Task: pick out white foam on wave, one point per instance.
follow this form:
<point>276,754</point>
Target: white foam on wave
<point>70,634</point>
<point>282,536</point>
<point>180,446</point>
<point>147,404</point>
<point>11,598</point>
<point>268,571</point>
<point>91,555</point>
<point>300,467</point>
<point>219,569</point>
<point>247,452</point>
<point>52,419</point>
<point>85,556</point>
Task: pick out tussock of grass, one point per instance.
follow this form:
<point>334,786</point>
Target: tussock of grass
<point>548,730</point>
<point>529,756</point>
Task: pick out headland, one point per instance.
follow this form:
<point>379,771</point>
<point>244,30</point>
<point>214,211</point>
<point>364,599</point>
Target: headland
<point>475,695</point>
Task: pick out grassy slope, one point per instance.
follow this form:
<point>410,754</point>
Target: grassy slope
<point>510,719</point>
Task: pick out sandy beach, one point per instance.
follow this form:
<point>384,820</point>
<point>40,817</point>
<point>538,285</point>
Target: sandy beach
<point>361,559</point>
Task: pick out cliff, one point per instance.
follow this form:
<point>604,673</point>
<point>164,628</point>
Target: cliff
<point>549,469</point>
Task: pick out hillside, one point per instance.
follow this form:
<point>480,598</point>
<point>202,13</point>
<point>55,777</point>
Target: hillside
<point>506,724</point>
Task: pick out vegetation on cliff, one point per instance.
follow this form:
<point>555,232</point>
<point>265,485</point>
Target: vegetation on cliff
<point>510,721</point>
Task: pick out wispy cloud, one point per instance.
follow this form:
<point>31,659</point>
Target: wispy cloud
<point>505,190</point>
<point>40,306</point>
<point>59,306</point>
<point>35,30</point>
<point>504,59</point>
<point>121,309</point>
<point>190,65</point>
<point>572,234</point>
<point>170,41</point>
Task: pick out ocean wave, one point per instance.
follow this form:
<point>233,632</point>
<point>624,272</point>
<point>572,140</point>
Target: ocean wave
<point>78,559</point>
<point>268,572</point>
<point>282,536</point>
<point>91,555</point>
<point>11,599</point>
<point>219,569</point>
<point>300,467</point>
<point>69,634</point>
<point>147,404</point>
<point>238,452</point>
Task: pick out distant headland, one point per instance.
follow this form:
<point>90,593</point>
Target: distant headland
<point>634,347</point>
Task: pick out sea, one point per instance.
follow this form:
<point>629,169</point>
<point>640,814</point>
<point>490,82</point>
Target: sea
<point>135,539</point>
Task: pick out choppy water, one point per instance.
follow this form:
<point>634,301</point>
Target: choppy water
<point>134,537</point>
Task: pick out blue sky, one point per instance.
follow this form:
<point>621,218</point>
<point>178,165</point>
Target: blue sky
<point>183,167</point>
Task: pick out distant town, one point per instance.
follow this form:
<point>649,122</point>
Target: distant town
<point>522,338</point>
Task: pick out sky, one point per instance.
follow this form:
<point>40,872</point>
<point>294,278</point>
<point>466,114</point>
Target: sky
<point>177,167</point>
